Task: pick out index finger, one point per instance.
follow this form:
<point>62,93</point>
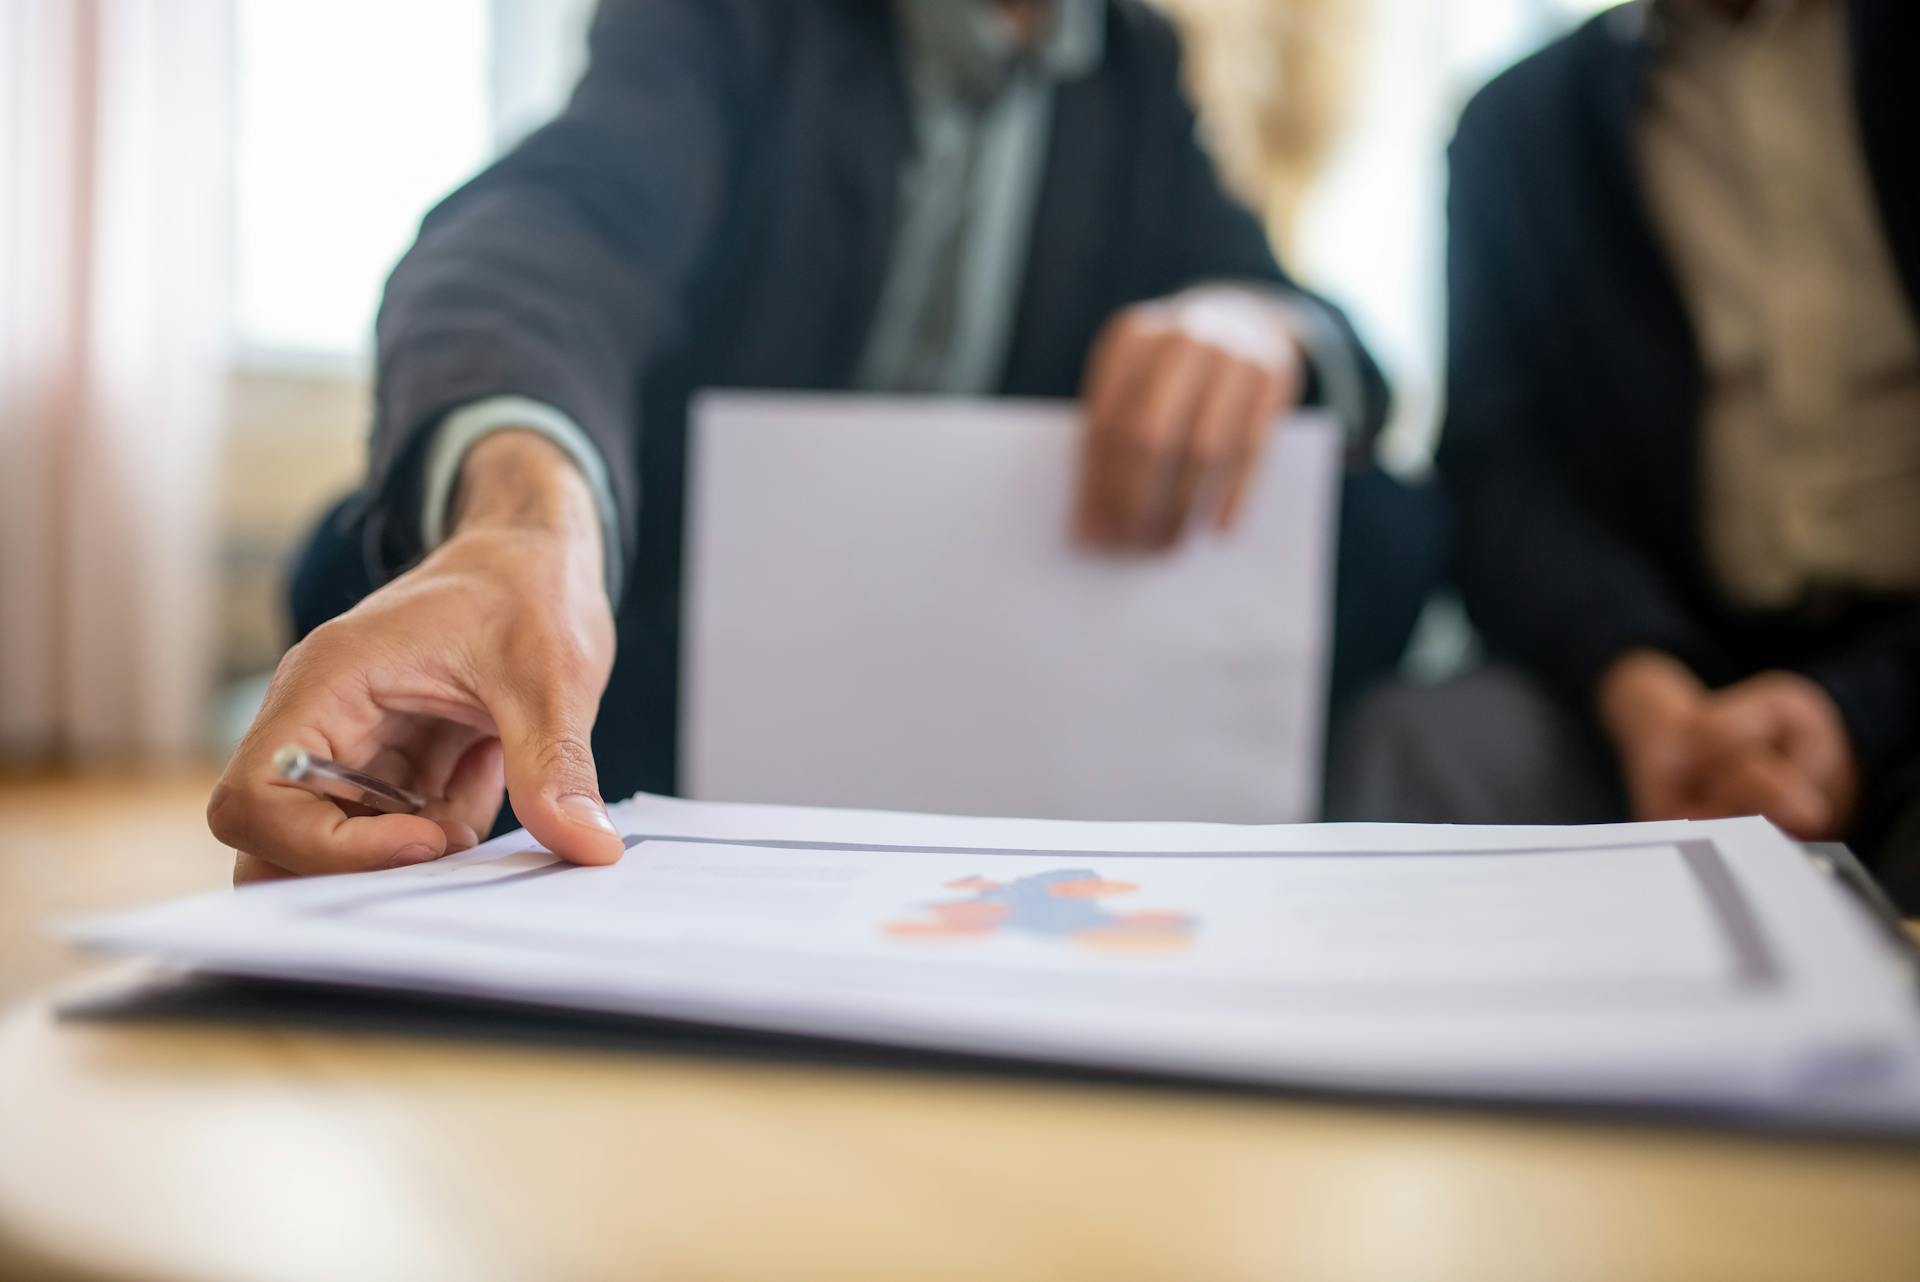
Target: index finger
<point>1155,432</point>
<point>1226,406</point>
<point>1276,394</point>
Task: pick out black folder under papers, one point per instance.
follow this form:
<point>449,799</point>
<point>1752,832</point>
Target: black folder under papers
<point>1706,967</point>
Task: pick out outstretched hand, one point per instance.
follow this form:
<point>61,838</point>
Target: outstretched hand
<point>475,675</point>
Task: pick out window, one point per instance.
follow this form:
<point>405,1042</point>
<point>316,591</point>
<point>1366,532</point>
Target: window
<point>355,117</point>
<point>1373,232</point>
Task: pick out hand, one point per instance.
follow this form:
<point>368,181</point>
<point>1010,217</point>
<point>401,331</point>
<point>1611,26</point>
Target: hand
<point>1651,705</point>
<point>1775,745</point>
<point>1180,397</point>
<point>478,671</point>
<point>1772,745</point>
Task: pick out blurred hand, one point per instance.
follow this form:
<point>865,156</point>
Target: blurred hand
<point>1650,705</point>
<point>1772,745</point>
<point>1180,396</point>
<point>1775,745</point>
<point>477,672</point>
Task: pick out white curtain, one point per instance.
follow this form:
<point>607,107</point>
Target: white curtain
<point>114,141</point>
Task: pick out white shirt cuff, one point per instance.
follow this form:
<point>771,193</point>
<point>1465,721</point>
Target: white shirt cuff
<point>467,426</point>
<point>1325,344</point>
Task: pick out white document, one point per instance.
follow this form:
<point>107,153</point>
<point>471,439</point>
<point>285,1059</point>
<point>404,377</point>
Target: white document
<point>1691,964</point>
<point>884,608</point>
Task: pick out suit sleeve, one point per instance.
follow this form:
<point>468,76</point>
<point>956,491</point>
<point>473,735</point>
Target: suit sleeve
<point>1876,685</point>
<point>1549,584</point>
<point>1215,237</point>
<point>556,272</point>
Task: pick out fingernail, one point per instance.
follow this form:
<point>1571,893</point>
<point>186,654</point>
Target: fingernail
<point>587,811</point>
<point>417,853</point>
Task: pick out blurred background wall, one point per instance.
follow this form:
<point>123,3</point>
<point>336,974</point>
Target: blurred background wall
<point>202,198</point>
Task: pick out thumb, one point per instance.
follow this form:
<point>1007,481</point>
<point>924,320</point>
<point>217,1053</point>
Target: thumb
<point>553,787</point>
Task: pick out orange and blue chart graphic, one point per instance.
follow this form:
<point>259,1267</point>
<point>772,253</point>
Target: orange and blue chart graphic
<point>1075,905</point>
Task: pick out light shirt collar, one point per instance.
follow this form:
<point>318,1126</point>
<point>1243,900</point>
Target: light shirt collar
<point>969,47</point>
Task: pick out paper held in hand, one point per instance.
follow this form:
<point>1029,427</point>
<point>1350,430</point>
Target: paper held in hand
<point>885,607</point>
<point>1705,965</point>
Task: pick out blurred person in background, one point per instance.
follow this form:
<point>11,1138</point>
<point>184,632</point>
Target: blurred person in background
<point>1683,438</point>
<point>922,196</point>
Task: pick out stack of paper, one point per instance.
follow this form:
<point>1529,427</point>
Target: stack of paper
<point>1703,964</point>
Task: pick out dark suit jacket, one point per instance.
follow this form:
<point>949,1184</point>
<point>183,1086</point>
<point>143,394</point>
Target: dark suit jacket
<point>715,208</point>
<point>1571,442</point>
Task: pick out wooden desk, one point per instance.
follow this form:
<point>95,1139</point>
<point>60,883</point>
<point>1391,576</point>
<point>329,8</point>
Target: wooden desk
<point>195,1151</point>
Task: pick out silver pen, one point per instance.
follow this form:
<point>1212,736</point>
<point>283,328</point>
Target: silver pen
<point>329,778</point>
